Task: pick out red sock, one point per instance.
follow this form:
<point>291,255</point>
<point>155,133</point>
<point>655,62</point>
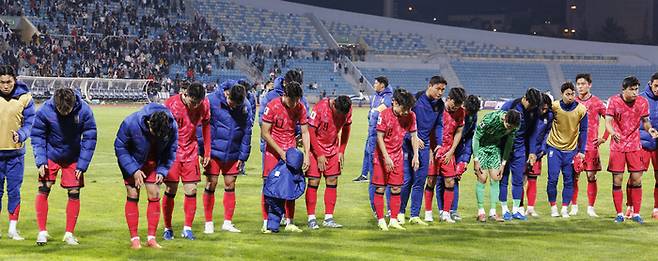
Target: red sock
<point>330,194</point>
<point>41,207</point>
<point>429,196</point>
<point>617,197</point>
<point>655,196</point>
<point>574,198</point>
<point>311,199</point>
<point>17,212</point>
<point>637,198</point>
<point>532,191</point>
<point>189,207</point>
<point>208,204</point>
<point>132,216</point>
<point>379,205</point>
<point>290,209</point>
<point>448,196</point>
<point>72,212</point>
<point>168,208</point>
<point>153,215</point>
<point>592,190</point>
<point>629,196</point>
<point>229,204</point>
<point>263,207</point>
<point>552,203</point>
<point>395,205</point>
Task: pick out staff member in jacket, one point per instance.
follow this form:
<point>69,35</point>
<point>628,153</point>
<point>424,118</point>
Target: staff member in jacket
<point>231,123</point>
<point>63,138</point>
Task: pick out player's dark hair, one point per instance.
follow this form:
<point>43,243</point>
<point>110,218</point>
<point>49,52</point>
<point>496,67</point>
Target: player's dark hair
<point>244,83</point>
<point>160,125</point>
<point>630,81</point>
<point>196,91</point>
<point>404,98</point>
<point>654,77</point>
<point>237,93</point>
<point>585,76</point>
<point>546,99</point>
<point>567,86</point>
<point>293,90</point>
<point>457,95</point>
<point>513,117</point>
<point>343,104</point>
<point>533,96</point>
<point>293,76</point>
<point>436,79</point>
<point>382,79</point>
<point>472,104</point>
<point>7,69</point>
<point>64,99</point>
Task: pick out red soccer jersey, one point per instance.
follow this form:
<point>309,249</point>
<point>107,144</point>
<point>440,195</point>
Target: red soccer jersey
<point>327,124</point>
<point>451,121</point>
<point>626,122</point>
<point>188,120</point>
<point>595,109</point>
<point>284,120</point>
<point>394,129</point>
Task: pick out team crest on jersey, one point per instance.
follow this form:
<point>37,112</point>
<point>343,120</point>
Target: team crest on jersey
<point>379,120</point>
<point>266,111</point>
<point>313,115</point>
<point>550,154</point>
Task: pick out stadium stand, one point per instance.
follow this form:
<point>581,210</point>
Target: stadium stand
<point>413,80</point>
<point>501,80</point>
<point>606,79</point>
<point>379,41</point>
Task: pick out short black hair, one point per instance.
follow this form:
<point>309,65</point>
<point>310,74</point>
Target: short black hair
<point>546,99</point>
<point>64,99</point>
<point>237,93</point>
<point>436,79</point>
<point>567,86</point>
<point>457,95</point>
<point>654,77</point>
<point>404,98</point>
<point>630,81</point>
<point>343,104</point>
<point>585,76</point>
<point>7,69</point>
<point>513,117</point>
<point>196,91</point>
<point>472,104</point>
<point>161,125</point>
<point>293,90</point>
<point>382,79</point>
<point>533,96</point>
<point>293,76</point>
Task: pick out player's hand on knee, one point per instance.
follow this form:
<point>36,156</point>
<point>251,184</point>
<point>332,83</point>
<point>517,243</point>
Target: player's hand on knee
<point>532,158</point>
<point>42,171</point>
<point>306,164</point>
<point>159,179</point>
<point>139,176</point>
<point>322,163</point>
<point>389,164</point>
<point>15,137</point>
<point>205,161</point>
<point>78,173</point>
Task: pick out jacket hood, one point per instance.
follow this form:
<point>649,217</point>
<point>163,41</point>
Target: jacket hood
<point>227,84</point>
<point>294,159</point>
<point>20,88</point>
<point>278,85</point>
<point>649,93</point>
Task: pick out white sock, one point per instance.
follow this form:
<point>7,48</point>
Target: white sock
<point>328,216</point>
<point>428,213</point>
<point>12,226</point>
<point>150,237</point>
<point>515,209</point>
<point>288,221</point>
<point>265,222</point>
<point>311,217</point>
<point>654,210</point>
<point>187,228</point>
<point>227,222</point>
<point>68,234</point>
<point>564,208</point>
<point>492,212</point>
<point>134,238</point>
<point>481,211</point>
<point>531,208</point>
<point>504,207</point>
<point>620,214</point>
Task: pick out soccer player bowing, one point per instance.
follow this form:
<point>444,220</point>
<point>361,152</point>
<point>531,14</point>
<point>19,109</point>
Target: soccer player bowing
<point>328,118</point>
<point>231,121</point>
<point>624,114</point>
<point>280,118</point>
<point>63,140</point>
<point>566,140</point>
<point>145,147</point>
<point>392,125</point>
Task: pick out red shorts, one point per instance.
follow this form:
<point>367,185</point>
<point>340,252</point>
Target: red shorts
<point>438,168</point>
<point>535,170</point>
<point>381,177</point>
<point>68,175</point>
<point>216,167</point>
<point>186,172</point>
<point>332,168</point>
<point>269,162</point>
<point>633,160</point>
<point>149,170</point>
<point>650,157</point>
<point>592,160</point>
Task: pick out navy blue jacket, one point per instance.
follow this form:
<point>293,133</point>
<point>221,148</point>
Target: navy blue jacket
<point>132,144</point>
<point>64,139</point>
<point>648,142</point>
<point>20,89</point>
<point>464,149</point>
<point>543,128</point>
<point>384,97</point>
<point>429,118</point>
<point>286,180</point>
<point>525,137</point>
<point>231,129</point>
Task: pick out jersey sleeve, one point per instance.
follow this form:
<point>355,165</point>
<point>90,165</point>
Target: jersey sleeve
<point>303,116</point>
<point>268,113</point>
<point>610,110</point>
<point>412,118</point>
<point>382,122</point>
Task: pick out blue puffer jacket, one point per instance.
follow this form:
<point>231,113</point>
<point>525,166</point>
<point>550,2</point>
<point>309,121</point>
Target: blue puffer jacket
<point>64,139</point>
<point>286,180</point>
<point>251,96</point>
<point>543,128</point>
<point>20,89</point>
<point>648,142</point>
<point>464,150</point>
<point>132,144</point>
<point>231,129</point>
